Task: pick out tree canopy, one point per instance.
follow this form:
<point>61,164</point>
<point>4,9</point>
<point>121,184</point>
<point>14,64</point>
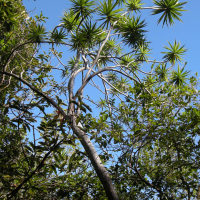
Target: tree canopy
<point>144,141</point>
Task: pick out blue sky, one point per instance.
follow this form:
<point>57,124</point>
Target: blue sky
<point>187,32</point>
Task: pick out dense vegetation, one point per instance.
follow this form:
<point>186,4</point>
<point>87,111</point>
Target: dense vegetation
<point>144,144</point>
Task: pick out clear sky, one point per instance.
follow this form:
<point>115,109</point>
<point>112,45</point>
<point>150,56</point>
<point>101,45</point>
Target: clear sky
<point>187,33</point>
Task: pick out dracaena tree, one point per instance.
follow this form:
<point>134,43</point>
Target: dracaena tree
<point>136,148</point>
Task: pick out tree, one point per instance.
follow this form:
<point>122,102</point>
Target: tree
<point>143,145</point>
<point>29,169</point>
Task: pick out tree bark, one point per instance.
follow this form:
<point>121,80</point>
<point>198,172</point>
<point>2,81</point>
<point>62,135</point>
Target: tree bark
<point>96,162</point>
<point>198,193</point>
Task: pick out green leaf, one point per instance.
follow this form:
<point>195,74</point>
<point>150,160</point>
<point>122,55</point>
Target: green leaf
<point>171,10</point>
<point>108,12</point>
<point>134,5</point>
<point>87,106</point>
<point>5,111</point>
<point>175,53</point>
<point>58,36</point>
<point>83,109</point>
<point>132,30</point>
<point>69,22</point>
<point>37,34</point>
<point>81,8</point>
<point>53,168</point>
<point>179,77</point>
<point>59,100</point>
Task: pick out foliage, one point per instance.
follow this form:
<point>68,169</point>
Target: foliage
<point>171,10</point>
<point>144,144</point>
<point>175,52</point>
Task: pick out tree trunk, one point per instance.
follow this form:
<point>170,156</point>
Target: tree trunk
<point>198,193</point>
<point>96,162</point>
